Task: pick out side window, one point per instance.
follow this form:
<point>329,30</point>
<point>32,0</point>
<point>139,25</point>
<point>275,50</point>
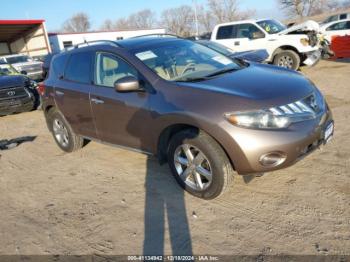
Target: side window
<point>79,68</point>
<point>348,25</point>
<point>226,32</point>
<point>337,26</point>
<point>247,31</point>
<point>342,16</point>
<point>58,65</point>
<point>110,68</point>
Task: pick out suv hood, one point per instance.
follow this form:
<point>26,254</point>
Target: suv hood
<point>307,26</point>
<point>259,85</point>
<point>12,81</point>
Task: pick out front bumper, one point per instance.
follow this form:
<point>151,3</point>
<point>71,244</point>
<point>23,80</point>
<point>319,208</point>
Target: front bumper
<point>247,146</point>
<point>16,106</point>
<point>312,58</point>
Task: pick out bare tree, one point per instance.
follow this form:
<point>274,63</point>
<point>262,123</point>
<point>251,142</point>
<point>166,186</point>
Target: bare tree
<point>205,19</point>
<point>179,20</point>
<point>107,25</point>
<point>300,8</point>
<point>227,11</point>
<point>122,24</point>
<point>143,19</point>
<point>79,22</point>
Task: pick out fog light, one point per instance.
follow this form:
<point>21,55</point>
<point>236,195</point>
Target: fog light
<point>272,159</point>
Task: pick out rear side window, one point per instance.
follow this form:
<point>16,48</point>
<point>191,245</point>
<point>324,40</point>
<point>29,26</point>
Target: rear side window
<point>79,68</point>
<point>58,65</point>
<point>342,16</point>
<point>337,26</point>
<point>226,32</point>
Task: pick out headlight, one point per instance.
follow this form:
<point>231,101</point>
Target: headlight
<point>259,119</point>
<point>281,116</point>
<point>305,41</point>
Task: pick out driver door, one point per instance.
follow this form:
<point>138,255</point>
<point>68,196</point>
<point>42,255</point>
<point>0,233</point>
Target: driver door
<point>120,117</point>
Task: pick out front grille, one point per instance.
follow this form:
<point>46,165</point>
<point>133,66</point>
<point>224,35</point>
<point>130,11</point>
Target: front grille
<point>313,103</point>
<point>12,93</point>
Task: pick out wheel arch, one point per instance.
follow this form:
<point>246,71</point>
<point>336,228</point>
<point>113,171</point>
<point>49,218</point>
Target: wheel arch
<point>171,130</point>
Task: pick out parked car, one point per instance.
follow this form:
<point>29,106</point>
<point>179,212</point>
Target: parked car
<point>203,113</point>
<point>17,94</point>
<point>337,28</point>
<point>258,56</point>
<point>24,63</point>
<point>338,34</point>
<point>287,47</point>
<point>337,17</point>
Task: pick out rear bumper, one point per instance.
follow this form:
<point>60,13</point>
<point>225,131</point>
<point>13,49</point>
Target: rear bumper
<point>16,106</point>
<point>246,147</point>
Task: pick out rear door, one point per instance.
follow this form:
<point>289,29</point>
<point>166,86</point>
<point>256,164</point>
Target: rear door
<point>72,93</point>
<point>121,118</point>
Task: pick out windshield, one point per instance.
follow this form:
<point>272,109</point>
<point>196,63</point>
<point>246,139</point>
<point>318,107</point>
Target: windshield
<point>272,26</point>
<point>8,70</point>
<point>217,47</point>
<point>185,61</point>
<point>18,59</point>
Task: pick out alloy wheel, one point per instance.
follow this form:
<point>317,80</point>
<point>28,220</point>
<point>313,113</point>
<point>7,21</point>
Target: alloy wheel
<point>286,61</point>
<point>60,133</point>
<point>193,167</point>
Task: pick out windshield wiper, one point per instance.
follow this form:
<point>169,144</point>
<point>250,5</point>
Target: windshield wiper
<point>223,71</point>
<point>192,79</point>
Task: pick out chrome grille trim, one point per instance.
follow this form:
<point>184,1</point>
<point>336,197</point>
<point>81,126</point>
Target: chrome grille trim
<point>313,104</point>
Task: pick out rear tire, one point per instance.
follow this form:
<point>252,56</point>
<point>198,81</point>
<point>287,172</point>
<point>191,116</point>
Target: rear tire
<point>62,132</point>
<point>199,164</point>
<point>287,59</point>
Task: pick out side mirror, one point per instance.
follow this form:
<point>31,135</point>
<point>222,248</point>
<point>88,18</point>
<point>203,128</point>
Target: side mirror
<point>127,84</point>
<point>24,72</point>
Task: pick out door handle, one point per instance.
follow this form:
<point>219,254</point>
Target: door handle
<point>237,43</point>
<point>97,101</point>
<point>59,93</point>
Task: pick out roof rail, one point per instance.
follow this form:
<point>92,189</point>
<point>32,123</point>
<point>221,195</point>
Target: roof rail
<point>159,34</point>
<point>87,43</point>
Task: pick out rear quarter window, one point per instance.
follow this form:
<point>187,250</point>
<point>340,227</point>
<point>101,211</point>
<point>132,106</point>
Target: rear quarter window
<point>78,68</point>
<point>58,65</point>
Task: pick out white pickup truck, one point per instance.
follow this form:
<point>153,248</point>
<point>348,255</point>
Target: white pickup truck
<point>287,47</point>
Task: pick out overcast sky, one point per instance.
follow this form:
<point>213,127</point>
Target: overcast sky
<point>56,12</point>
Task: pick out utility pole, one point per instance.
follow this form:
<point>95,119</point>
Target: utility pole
<point>196,17</point>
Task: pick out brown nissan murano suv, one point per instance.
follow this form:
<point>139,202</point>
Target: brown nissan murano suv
<point>205,114</point>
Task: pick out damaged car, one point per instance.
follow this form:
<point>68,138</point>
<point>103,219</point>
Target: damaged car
<point>287,47</point>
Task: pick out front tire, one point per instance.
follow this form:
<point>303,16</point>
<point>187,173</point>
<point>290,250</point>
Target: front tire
<point>199,164</point>
<point>287,59</point>
<point>62,132</point>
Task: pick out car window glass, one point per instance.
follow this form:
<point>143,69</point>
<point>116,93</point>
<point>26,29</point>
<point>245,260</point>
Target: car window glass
<point>337,26</point>
<point>227,32</point>
<point>247,31</point>
<point>342,16</point>
<point>110,68</point>
<point>79,68</point>
<point>348,25</point>
<point>59,64</point>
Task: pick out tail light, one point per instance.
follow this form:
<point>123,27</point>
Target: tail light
<point>41,88</point>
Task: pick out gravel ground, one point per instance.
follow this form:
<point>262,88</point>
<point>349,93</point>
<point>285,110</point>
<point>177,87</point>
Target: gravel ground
<point>105,200</point>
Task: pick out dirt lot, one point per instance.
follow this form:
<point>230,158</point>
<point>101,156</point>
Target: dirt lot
<point>110,201</point>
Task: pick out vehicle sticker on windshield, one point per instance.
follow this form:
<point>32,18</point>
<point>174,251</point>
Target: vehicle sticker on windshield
<point>222,60</point>
<point>146,55</point>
